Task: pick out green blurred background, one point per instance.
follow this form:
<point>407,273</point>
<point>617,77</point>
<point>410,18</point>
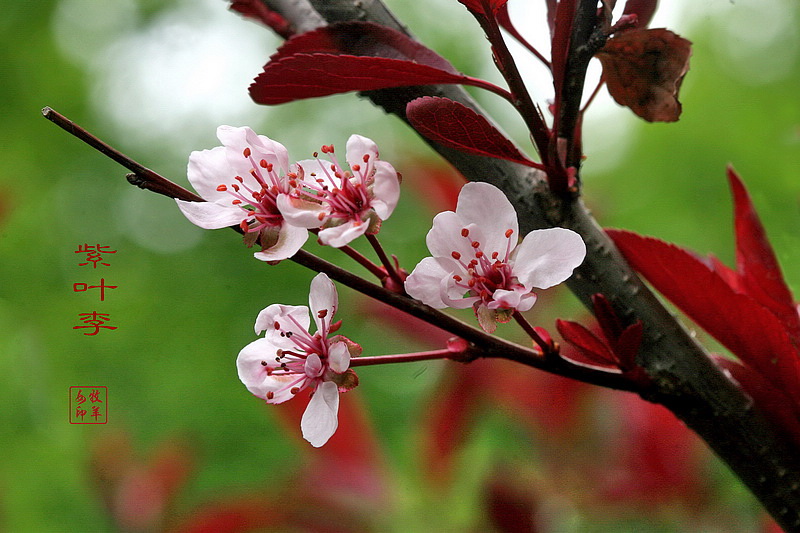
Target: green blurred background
<point>154,79</point>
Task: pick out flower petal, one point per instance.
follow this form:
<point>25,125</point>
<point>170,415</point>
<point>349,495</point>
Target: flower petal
<point>255,375</point>
<point>210,215</point>
<point>486,206</point>
<point>386,189</point>
<point>339,357</point>
<point>207,170</point>
<point>343,234</point>
<point>444,237</point>
<point>358,147</point>
<point>320,419</point>
<point>424,281</point>
<point>287,318</point>
<point>301,213</point>
<point>323,298</point>
<point>546,257</point>
<point>290,240</point>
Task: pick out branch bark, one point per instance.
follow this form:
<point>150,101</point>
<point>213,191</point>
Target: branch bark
<point>685,380</point>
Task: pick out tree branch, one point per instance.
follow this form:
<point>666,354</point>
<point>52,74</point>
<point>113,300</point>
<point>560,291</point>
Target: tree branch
<point>685,379</point>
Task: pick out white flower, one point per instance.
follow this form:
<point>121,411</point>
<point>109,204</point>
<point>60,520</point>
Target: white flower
<point>289,359</point>
<point>344,203</point>
<point>240,181</point>
<point>477,263</point>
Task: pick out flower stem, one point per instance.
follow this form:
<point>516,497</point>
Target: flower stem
<point>405,357</point>
<point>387,264</point>
<point>143,177</point>
<point>547,349</point>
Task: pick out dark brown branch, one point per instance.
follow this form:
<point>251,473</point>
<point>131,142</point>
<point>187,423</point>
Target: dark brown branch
<point>685,379</point>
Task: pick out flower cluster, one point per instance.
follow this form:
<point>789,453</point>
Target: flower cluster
<point>289,359</point>
<point>477,262</point>
<point>248,182</point>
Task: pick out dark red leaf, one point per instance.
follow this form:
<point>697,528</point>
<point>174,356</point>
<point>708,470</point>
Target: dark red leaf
<point>591,350</point>
<point>644,69</point>
<point>313,75</point>
<point>257,10</point>
<point>643,9</point>
<point>457,126</point>
<point>352,56</point>
<point>739,322</point>
<point>756,263</point>
<point>362,39</point>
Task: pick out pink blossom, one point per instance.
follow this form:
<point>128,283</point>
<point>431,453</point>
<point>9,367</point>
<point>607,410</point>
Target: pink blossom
<point>289,359</point>
<point>344,203</point>
<point>477,262</point>
<point>240,181</point>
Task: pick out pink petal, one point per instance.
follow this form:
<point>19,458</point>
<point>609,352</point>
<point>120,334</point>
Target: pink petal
<point>546,257</point>
<point>338,236</point>
<point>339,357</point>
<point>207,170</point>
<point>386,189</point>
<point>424,281</point>
<point>290,240</point>
<point>323,297</point>
<point>301,213</point>
<point>209,215</point>
<point>320,420</point>
<point>254,375</point>
<point>358,147</point>
<point>285,316</point>
<point>486,206</point>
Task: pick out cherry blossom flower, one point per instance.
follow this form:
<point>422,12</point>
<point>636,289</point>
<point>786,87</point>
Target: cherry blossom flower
<point>289,359</point>
<point>477,262</point>
<point>344,203</point>
<point>240,181</point>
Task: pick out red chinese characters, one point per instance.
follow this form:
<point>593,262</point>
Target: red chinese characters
<point>94,321</point>
<point>88,405</point>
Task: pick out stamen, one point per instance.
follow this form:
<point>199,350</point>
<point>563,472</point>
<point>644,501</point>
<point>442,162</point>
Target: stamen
<point>455,255</point>
<point>294,390</point>
<point>247,152</point>
<point>464,232</point>
<point>270,395</point>
<point>509,233</point>
<point>222,188</point>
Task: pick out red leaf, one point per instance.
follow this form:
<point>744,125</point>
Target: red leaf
<point>592,350</point>
<point>352,56</point>
<point>643,9</point>
<point>362,39</point>
<point>746,328</point>
<point>257,10</point>
<point>457,126</point>
<point>756,262</point>
<point>644,69</point>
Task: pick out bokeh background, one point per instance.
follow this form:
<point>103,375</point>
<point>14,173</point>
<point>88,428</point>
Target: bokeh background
<point>422,447</point>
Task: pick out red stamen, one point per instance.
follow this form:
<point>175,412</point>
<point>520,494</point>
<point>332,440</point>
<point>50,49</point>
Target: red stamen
<point>247,152</point>
<point>455,255</point>
<point>465,232</point>
<point>222,188</point>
